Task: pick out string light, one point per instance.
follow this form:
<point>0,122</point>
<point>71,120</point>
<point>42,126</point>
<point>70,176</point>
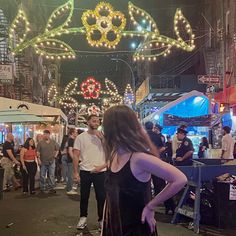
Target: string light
<point>129,95</point>
<point>110,26</point>
<point>104,25</point>
<point>71,88</point>
<point>52,93</point>
<point>90,88</point>
<point>157,45</point>
<point>94,110</point>
<point>19,27</point>
<point>67,101</point>
<point>45,44</point>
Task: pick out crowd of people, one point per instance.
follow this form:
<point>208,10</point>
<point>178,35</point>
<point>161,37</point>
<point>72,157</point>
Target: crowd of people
<point>120,162</point>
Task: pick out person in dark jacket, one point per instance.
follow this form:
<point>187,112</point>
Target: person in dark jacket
<point>203,146</point>
<point>158,140</point>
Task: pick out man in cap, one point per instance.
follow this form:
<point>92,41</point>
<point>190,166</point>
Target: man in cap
<point>184,154</point>
<point>175,142</point>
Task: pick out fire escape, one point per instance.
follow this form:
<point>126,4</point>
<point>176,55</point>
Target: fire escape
<point>23,81</point>
<point>4,59</point>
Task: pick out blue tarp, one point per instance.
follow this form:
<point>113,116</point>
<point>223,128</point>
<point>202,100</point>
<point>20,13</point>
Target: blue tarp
<point>189,107</point>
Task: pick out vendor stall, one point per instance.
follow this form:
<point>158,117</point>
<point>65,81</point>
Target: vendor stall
<point>53,119</point>
<point>20,123</point>
<point>192,109</point>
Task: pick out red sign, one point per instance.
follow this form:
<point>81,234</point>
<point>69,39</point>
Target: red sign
<point>208,79</point>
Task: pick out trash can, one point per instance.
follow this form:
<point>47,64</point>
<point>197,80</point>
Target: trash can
<point>1,182</point>
<point>225,210</point>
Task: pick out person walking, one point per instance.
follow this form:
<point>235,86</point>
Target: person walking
<point>8,161</point>
<point>227,144</point>
<point>28,157</point>
<point>88,149</point>
<point>47,151</point>
<point>67,160</point>
<point>129,209</point>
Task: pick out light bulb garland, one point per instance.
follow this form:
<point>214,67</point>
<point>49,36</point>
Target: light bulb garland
<point>52,93</point>
<point>94,110</point>
<point>129,95</point>
<point>71,87</point>
<point>67,101</point>
<point>90,88</point>
<point>104,25</point>
<point>107,23</point>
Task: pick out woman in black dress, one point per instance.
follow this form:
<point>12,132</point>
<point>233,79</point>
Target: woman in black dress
<point>129,209</point>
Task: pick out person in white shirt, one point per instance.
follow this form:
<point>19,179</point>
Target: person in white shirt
<point>88,149</point>
<point>227,144</point>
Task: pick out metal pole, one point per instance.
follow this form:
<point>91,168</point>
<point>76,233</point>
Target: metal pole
<point>132,74</point>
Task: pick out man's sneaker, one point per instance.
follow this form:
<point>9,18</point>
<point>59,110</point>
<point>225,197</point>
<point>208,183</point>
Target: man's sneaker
<point>100,225</point>
<point>75,186</point>
<point>82,223</point>
<point>72,192</point>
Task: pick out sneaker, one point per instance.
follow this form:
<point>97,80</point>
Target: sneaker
<point>72,192</point>
<point>52,191</point>
<point>100,225</point>
<point>75,186</point>
<point>82,223</point>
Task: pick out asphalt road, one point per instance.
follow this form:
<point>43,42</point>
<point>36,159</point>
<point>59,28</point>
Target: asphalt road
<point>57,215</point>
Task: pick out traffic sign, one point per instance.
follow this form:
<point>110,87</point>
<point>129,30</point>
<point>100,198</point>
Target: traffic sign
<point>208,79</point>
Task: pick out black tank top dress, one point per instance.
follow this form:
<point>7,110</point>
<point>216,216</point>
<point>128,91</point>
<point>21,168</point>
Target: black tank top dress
<point>125,199</point>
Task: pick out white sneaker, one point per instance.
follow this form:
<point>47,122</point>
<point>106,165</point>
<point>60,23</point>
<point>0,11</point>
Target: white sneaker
<point>75,186</point>
<point>82,223</point>
<point>72,192</point>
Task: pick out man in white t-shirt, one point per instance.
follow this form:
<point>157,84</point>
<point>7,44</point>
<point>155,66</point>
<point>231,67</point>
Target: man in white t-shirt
<point>90,156</point>
<point>227,144</point>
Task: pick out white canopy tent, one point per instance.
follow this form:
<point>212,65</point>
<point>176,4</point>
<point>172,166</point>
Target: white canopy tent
<point>49,113</point>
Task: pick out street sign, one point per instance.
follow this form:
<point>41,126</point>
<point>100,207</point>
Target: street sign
<point>208,79</point>
<point>6,75</point>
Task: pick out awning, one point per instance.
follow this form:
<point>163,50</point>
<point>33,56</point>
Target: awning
<point>18,116</point>
<point>49,113</point>
<point>229,96</point>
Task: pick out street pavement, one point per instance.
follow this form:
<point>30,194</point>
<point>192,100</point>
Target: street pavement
<point>57,215</point>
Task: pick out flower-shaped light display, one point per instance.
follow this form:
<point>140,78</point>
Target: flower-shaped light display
<point>104,26</point>
<point>91,88</point>
<point>94,110</point>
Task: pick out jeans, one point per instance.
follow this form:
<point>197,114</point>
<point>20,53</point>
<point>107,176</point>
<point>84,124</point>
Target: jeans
<point>7,165</point>
<point>67,172</point>
<point>29,176</point>
<point>86,179</point>
<point>47,171</point>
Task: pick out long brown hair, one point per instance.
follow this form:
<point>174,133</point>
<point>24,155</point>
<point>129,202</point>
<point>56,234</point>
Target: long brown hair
<point>123,130</point>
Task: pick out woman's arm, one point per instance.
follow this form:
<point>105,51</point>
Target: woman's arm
<point>146,165</point>
<point>22,153</point>
<point>175,178</point>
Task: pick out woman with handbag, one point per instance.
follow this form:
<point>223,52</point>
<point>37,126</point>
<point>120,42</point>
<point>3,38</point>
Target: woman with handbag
<point>28,157</point>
